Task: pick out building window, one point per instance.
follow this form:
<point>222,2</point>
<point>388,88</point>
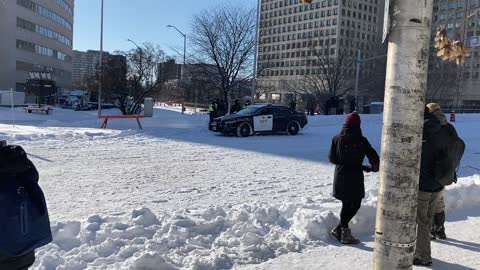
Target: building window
<point>276,96</point>
<point>41,50</point>
<point>21,23</point>
<point>29,4</point>
<point>65,6</point>
<point>26,46</point>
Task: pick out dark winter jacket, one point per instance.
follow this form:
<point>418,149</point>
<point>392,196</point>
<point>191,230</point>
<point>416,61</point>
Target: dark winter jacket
<point>293,105</point>
<point>236,107</point>
<point>347,152</point>
<point>434,143</point>
<point>17,263</point>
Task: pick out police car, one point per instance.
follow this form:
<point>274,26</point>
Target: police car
<point>260,119</point>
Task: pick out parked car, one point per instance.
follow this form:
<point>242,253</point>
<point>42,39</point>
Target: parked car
<point>261,119</point>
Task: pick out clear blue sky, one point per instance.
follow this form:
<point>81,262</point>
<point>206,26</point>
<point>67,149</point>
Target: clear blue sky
<point>139,20</point>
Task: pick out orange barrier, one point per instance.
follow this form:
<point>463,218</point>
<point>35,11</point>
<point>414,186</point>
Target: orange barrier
<point>452,116</point>
<point>133,116</point>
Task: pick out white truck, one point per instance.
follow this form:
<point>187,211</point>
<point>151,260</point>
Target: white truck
<point>78,100</point>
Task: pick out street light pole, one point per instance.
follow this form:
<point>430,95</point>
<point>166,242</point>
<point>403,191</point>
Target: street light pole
<point>101,65</point>
<point>134,43</point>
<point>141,53</point>
<point>184,49</point>
<point>255,53</point>
<point>357,76</point>
<point>182,70</point>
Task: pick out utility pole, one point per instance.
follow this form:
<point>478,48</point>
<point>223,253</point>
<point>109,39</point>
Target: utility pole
<point>184,66</point>
<point>101,65</point>
<point>13,106</point>
<point>357,77</point>
<point>407,64</point>
<point>255,53</point>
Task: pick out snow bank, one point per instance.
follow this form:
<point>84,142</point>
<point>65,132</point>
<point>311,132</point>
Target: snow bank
<point>213,238</point>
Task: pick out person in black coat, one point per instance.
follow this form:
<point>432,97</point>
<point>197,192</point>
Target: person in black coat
<point>434,142</point>
<point>236,107</point>
<point>293,105</point>
<point>347,152</point>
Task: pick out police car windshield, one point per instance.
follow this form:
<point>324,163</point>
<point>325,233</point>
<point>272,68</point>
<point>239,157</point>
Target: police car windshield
<point>248,111</point>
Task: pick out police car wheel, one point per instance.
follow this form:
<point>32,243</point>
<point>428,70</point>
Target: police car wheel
<point>293,128</point>
<point>243,130</point>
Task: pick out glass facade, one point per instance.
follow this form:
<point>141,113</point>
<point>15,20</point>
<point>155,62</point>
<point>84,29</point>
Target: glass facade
<point>42,50</point>
<point>45,12</point>
<point>65,6</point>
<point>43,31</point>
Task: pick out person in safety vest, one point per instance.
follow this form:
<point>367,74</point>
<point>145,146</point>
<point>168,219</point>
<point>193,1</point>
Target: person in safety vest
<point>212,110</point>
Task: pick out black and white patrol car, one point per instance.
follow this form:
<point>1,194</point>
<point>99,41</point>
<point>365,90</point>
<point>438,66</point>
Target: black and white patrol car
<point>260,119</point>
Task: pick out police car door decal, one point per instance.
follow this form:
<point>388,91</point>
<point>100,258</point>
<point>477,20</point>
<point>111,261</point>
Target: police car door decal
<point>263,122</point>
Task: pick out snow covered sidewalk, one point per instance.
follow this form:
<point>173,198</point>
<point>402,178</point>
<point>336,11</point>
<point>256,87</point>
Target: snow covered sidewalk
<point>459,252</point>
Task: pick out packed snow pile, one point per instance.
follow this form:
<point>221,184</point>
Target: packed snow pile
<point>213,238</point>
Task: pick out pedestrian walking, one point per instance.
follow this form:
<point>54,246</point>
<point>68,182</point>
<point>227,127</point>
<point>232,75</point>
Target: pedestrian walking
<point>314,106</point>
<point>436,166</point>
<point>347,152</point>
<point>309,106</point>
<point>451,137</point>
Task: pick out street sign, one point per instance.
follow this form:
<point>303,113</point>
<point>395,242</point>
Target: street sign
<point>386,21</point>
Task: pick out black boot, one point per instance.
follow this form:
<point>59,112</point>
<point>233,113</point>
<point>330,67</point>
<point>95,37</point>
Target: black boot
<point>440,225</point>
<point>347,237</point>
<point>417,261</point>
<point>337,232</point>
<point>433,236</point>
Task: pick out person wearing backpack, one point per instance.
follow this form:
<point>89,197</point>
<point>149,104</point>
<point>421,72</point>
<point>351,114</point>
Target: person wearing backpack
<point>454,156</point>
<point>347,152</point>
<point>435,167</point>
<point>24,216</point>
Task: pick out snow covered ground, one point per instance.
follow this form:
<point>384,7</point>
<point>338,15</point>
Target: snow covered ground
<point>176,196</point>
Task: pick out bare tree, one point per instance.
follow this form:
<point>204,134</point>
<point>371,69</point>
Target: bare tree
<point>223,39</point>
<point>329,72</point>
<point>372,77</point>
<point>142,77</point>
<point>442,82</point>
<point>128,77</point>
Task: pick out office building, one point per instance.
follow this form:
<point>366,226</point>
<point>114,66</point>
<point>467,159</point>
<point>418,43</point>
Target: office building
<point>36,36</point>
<point>293,34</point>
<point>451,84</point>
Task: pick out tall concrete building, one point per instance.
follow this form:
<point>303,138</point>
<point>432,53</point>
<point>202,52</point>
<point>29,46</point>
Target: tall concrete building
<point>36,35</point>
<point>449,83</point>
<point>291,31</point>
<point>85,65</point>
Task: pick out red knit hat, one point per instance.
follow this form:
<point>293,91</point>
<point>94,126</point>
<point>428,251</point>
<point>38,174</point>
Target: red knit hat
<point>353,119</point>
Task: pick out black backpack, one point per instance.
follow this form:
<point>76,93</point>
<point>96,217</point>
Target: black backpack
<point>24,222</point>
<point>447,166</point>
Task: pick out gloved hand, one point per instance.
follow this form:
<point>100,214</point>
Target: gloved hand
<point>366,168</point>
